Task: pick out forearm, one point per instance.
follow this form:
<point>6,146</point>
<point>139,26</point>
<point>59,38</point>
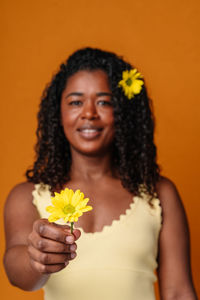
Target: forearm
<point>174,295</point>
<point>19,270</point>
<point>183,297</point>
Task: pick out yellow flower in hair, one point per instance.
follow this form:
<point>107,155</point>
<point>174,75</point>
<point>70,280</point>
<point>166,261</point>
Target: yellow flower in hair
<point>68,205</point>
<point>131,83</point>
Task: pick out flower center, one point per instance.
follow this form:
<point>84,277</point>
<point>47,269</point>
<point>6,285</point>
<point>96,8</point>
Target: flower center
<point>129,81</point>
<point>69,209</point>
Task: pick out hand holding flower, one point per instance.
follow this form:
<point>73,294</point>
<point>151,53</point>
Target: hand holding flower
<point>51,246</point>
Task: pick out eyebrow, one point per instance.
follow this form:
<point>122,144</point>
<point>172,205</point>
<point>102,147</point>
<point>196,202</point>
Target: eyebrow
<point>74,94</point>
<point>104,94</point>
<point>81,94</point>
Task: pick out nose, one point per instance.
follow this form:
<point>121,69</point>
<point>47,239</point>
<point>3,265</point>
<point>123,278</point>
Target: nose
<point>89,110</point>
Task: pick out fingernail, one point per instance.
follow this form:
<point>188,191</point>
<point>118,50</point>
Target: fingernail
<point>72,247</point>
<point>69,239</point>
<point>66,263</point>
<point>73,255</point>
<point>41,229</point>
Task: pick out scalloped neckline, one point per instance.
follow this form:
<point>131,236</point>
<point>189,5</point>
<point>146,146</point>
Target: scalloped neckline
<point>122,218</point>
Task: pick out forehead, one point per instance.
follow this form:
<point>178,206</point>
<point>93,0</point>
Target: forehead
<point>96,79</point>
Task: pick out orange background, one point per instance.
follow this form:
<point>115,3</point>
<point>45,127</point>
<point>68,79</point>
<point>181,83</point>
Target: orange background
<point>159,37</point>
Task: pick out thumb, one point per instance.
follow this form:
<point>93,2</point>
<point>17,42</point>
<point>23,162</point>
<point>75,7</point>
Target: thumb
<point>76,232</point>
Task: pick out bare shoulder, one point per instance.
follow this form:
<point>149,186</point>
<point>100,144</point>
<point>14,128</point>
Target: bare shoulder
<point>169,196</point>
<point>165,186</point>
<point>20,194</point>
<point>21,188</point>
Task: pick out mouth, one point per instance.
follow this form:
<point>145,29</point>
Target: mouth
<point>90,132</point>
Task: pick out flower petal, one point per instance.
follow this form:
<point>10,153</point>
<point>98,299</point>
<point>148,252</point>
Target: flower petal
<point>63,201</point>
<point>50,209</point>
<point>77,197</point>
<point>78,214</point>
<point>125,75</point>
<point>137,86</point>
<point>66,218</point>
<point>64,196</point>
<point>131,83</point>
<point>57,201</point>
<point>53,218</point>
<point>138,75</point>
<point>70,194</point>
<point>82,203</point>
<point>87,208</point>
<point>132,72</point>
<point>72,219</point>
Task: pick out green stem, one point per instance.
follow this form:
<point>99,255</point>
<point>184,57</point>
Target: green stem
<point>72,224</point>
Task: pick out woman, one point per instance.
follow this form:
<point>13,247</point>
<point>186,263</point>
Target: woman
<point>95,134</point>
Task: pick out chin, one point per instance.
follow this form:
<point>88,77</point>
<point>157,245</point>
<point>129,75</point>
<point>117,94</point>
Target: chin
<point>92,151</point>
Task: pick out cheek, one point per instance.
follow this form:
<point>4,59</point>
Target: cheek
<point>68,118</point>
<point>108,118</point>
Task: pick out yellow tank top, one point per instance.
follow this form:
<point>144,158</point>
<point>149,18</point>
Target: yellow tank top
<point>114,264</point>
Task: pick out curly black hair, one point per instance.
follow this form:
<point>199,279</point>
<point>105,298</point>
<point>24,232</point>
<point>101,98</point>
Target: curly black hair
<point>134,149</point>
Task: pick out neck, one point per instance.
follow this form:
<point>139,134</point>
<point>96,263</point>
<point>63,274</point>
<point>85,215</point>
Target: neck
<point>91,167</point>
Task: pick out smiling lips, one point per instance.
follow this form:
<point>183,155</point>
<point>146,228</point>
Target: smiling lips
<point>89,132</point>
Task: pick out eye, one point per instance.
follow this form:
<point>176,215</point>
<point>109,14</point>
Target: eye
<point>75,102</point>
<point>104,103</point>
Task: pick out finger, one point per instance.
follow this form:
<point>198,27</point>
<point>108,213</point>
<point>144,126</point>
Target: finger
<point>47,269</point>
<point>60,226</point>
<point>67,228</point>
<point>47,245</point>
<point>53,232</point>
<point>46,258</point>
<point>76,233</point>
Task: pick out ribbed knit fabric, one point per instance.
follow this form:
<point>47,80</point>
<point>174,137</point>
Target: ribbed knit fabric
<point>117,263</point>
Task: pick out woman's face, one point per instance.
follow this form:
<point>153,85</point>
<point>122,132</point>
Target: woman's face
<point>87,112</point>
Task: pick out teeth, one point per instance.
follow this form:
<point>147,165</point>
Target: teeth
<point>89,130</point>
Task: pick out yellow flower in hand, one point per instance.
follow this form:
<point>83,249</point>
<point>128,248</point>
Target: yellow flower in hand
<point>131,83</point>
<point>68,205</point>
